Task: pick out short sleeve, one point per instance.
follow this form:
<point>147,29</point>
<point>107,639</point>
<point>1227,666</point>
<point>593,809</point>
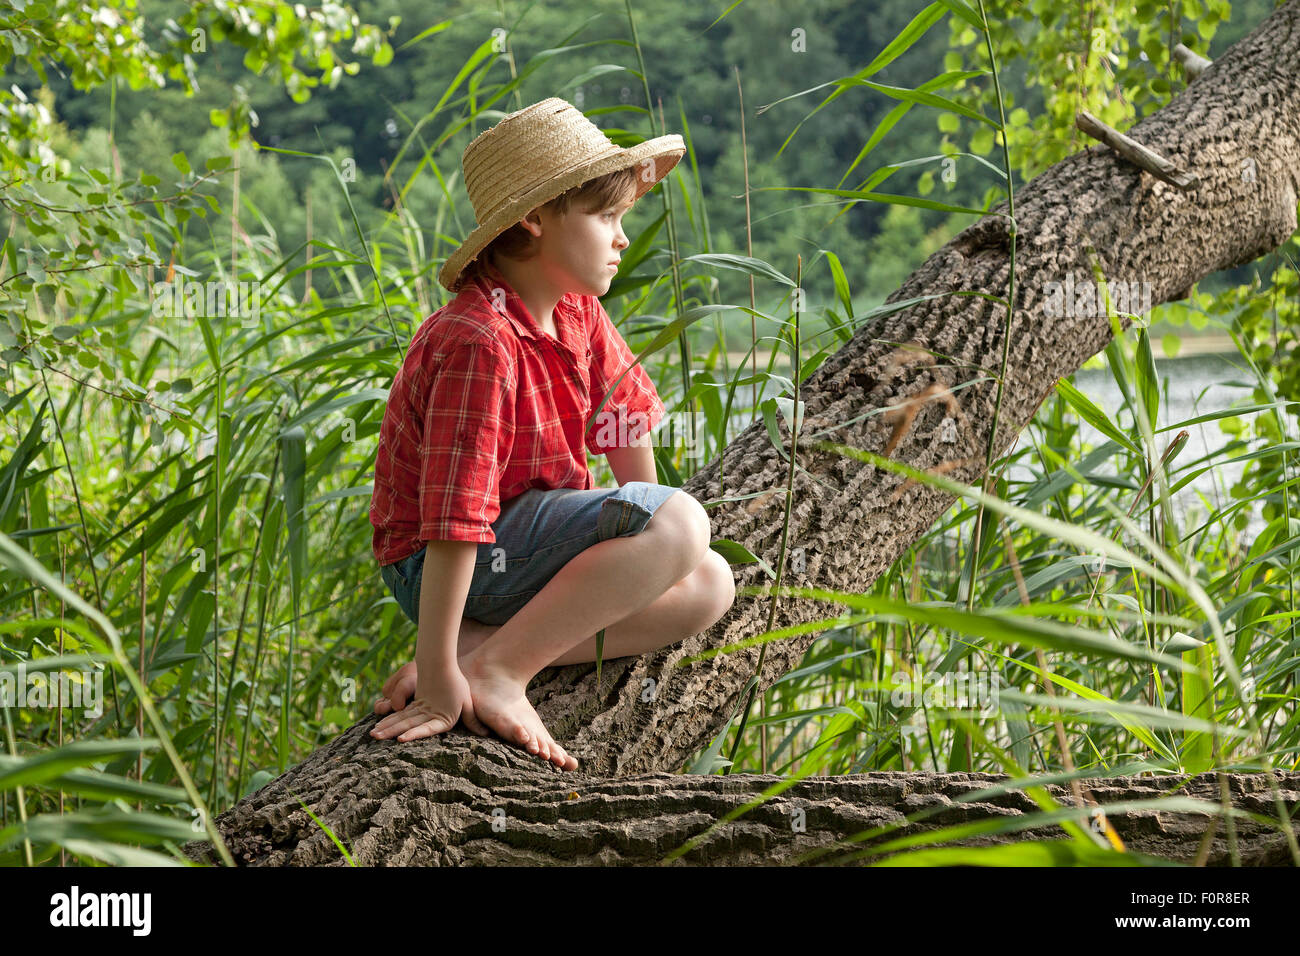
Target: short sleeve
<point>634,409</point>
<point>465,445</point>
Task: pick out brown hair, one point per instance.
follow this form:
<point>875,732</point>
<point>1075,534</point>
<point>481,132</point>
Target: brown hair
<point>591,196</point>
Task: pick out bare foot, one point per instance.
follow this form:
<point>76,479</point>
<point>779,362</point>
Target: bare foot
<point>400,688</point>
<point>501,703</point>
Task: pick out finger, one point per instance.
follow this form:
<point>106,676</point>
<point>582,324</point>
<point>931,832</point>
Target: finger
<point>392,682</point>
<point>403,691</point>
<point>426,729</point>
<point>383,706</point>
<point>394,724</point>
<point>398,675</point>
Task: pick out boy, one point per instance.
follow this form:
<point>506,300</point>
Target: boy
<point>488,528</point>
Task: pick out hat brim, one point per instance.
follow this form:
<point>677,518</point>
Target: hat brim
<point>666,151</point>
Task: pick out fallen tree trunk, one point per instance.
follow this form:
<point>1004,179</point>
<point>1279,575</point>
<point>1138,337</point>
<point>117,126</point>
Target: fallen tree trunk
<point>476,802</point>
<point>1235,127</point>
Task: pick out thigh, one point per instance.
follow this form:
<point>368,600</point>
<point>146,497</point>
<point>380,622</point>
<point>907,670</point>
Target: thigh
<point>540,531</point>
<point>537,533</point>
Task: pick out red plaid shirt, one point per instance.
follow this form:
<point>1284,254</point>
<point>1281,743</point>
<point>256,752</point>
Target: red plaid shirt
<point>487,405</point>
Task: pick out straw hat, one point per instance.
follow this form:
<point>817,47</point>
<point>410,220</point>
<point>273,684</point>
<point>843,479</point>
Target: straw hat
<point>532,156</point>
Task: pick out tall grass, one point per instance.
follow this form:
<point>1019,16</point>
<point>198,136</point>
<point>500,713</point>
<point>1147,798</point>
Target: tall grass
<point>234,602</point>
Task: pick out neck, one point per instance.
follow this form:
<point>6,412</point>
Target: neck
<point>538,295</point>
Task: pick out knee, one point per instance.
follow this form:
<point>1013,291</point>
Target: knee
<point>684,524</point>
<point>715,585</point>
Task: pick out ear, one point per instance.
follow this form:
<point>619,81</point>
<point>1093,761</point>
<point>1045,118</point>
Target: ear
<point>533,223</point>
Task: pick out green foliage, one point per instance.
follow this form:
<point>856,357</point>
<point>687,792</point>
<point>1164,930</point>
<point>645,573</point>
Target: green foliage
<point>1112,60</point>
<point>200,479</point>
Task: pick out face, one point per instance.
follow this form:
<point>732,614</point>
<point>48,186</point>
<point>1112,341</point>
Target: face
<point>576,249</point>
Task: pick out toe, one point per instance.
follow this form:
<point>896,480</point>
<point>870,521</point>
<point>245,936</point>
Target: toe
<point>554,752</point>
<point>526,740</point>
<point>542,740</point>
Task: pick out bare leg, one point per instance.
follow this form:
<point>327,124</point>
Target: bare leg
<point>590,592</point>
<point>688,607</point>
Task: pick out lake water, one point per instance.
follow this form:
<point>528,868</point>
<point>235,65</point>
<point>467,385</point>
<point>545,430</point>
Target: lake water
<point>1190,387</point>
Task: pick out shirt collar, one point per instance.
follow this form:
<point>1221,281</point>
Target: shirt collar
<point>517,312</point>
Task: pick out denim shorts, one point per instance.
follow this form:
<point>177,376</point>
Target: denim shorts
<point>537,533</point>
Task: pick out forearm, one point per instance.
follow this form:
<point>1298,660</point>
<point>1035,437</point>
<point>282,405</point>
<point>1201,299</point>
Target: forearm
<point>448,570</point>
<point>633,463</point>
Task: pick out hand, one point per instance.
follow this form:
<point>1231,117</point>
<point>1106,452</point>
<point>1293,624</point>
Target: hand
<point>440,701</point>
<point>398,689</point>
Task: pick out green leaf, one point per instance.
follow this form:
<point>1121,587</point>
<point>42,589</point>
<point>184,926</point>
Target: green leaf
<point>322,409</point>
<point>1147,380</point>
<point>115,854</point>
<point>180,162</point>
<point>41,767</point>
<point>931,99</point>
<point>877,197</point>
<point>899,111</point>
<point>737,553</point>
<point>1198,704</point>
<point>900,44</point>
<point>115,826</point>
<point>1093,415</point>
<point>746,264</point>
<point>328,832</point>
<point>965,12</point>
<point>97,785</point>
<point>773,433</point>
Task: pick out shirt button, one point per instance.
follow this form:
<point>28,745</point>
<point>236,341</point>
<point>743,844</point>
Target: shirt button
<point>463,434</point>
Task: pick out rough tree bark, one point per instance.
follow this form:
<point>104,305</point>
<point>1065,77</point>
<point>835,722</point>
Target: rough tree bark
<point>1237,127</point>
